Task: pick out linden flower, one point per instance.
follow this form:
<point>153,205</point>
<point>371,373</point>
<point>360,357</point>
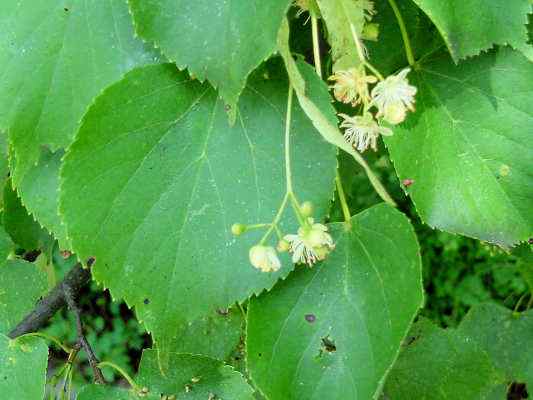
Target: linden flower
<point>312,243</point>
<point>393,97</point>
<point>363,131</point>
<point>264,258</point>
<point>351,86</point>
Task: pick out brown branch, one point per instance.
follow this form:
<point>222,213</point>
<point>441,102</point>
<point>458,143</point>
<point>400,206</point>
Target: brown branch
<point>52,302</point>
<point>82,340</point>
<point>64,293</point>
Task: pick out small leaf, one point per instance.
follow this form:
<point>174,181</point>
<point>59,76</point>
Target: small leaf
<point>21,286</point>
<point>215,39</point>
<point>23,365</point>
<point>168,176</point>
<point>439,364</point>
<point>40,190</point>
<point>55,56</point>
<point>105,392</point>
<point>468,147</point>
<point>333,332</point>
<point>193,377</point>
<point>6,245</point>
<point>21,226</point>
<point>470,26</point>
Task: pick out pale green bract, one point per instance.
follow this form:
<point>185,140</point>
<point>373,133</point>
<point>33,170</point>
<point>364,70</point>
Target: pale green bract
<point>168,176</point>
<point>334,331</point>
<point>339,15</point>
<point>468,147</point>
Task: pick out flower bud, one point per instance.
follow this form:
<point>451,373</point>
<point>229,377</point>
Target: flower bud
<point>283,246</point>
<point>264,258</point>
<point>238,229</point>
<point>306,209</point>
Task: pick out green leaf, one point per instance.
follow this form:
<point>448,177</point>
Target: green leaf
<point>40,190</point>
<point>388,52</point>
<point>168,176</point>
<point>193,377</point>
<point>339,16</point>
<point>334,331</point>
<point>105,392</point>
<point>21,286</point>
<point>524,252</point>
<point>6,245</point>
<point>23,365</point>
<point>216,335</point>
<point>215,39</point>
<point>442,364</point>
<point>468,147</point>
<point>21,226</point>
<point>55,57</point>
<point>470,26</point>
<point>507,338</point>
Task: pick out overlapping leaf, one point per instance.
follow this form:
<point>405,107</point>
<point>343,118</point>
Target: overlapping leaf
<point>223,41</point>
<point>475,361</point>
<point>168,176</point>
<point>506,337</point>
<point>193,377</point>
<point>470,26</point>
<point>40,188</point>
<point>55,56</point>
<point>468,147</point>
<point>334,331</point>
<point>21,226</point>
<point>21,285</point>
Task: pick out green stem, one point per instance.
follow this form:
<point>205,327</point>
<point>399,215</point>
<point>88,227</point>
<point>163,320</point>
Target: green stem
<point>403,29</point>
<point>65,348</point>
<point>342,198</point>
<point>287,141</point>
<point>316,44</point>
<point>276,219</point>
<point>361,55</point>
<point>121,372</point>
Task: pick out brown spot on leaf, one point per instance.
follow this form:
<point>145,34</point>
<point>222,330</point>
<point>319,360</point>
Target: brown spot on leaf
<point>310,318</point>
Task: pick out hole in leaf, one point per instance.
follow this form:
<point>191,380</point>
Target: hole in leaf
<point>146,301</point>
<point>328,344</point>
<point>310,318</point>
<point>517,391</point>
<point>91,261</point>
